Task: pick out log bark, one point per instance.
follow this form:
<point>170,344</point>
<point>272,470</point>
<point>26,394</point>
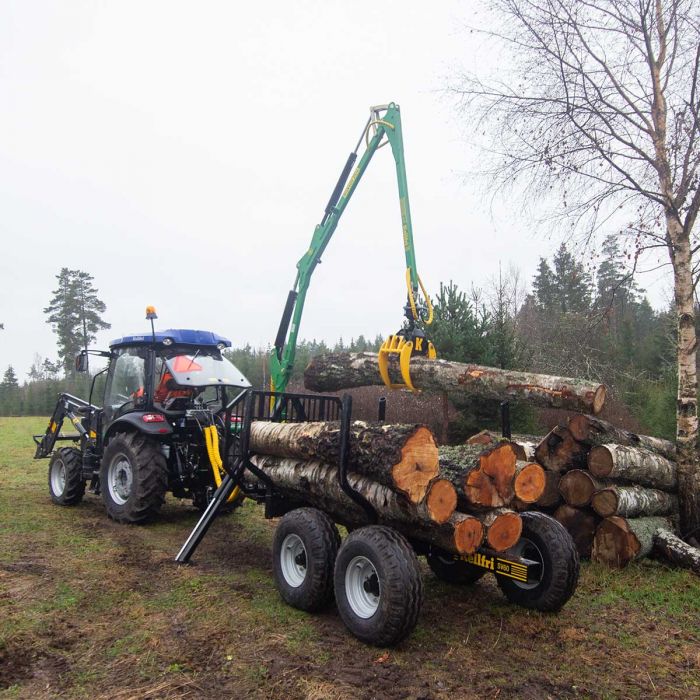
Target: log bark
<point>529,482</point>
<point>334,371</point>
<point>633,501</point>
<point>633,464</point>
<point>618,541</point>
<point>316,483</point>
<point>559,451</point>
<point>404,457</point>
<point>594,431</point>
<point>676,551</point>
<point>581,524</point>
<point>578,486</point>
<point>502,528</point>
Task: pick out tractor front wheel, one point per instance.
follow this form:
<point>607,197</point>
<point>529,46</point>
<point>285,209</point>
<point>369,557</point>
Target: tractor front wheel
<point>66,483</point>
<point>133,478</point>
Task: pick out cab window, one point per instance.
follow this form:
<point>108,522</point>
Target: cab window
<point>128,378</point>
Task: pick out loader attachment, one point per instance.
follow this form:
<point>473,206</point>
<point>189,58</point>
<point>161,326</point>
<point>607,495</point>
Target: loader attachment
<point>405,345</point>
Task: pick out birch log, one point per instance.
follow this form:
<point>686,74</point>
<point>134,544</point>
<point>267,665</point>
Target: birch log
<point>633,464</point>
<point>619,541</point>
<point>633,501</point>
<point>404,457</point>
<point>594,431</point>
<point>334,371</point>
<point>676,551</point>
<point>317,484</point>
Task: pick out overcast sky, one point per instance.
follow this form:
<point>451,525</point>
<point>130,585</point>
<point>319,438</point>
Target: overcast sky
<point>183,152</point>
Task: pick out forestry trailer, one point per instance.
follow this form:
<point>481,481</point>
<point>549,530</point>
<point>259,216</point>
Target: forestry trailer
<point>373,573</point>
<point>158,429</point>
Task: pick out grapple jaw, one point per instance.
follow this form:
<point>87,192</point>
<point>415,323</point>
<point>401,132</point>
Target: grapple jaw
<point>405,344</point>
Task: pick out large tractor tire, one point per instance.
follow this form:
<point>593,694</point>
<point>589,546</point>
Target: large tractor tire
<point>303,555</point>
<point>449,568</point>
<point>66,483</point>
<point>133,478</point>
<point>378,585</point>
<point>547,542</point>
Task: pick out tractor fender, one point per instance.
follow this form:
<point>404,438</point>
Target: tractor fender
<point>134,421</point>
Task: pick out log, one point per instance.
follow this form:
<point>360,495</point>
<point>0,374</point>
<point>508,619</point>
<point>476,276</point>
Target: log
<point>581,524</point>
<point>578,486</point>
<point>483,476</point>
<point>594,431</point>
<point>559,451</point>
<point>502,528</point>
<point>633,464</point>
<point>550,495</point>
<point>441,501</point>
<point>334,371</point>
<point>676,551</point>
<point>618,541</point>
<point>529,482</point>
<point>633,501</point>
<point>404,457</point>
<point>524,445</point>
<point>317,484</point>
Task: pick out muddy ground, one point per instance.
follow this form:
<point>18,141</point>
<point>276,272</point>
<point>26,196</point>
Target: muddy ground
<point>92,609</point>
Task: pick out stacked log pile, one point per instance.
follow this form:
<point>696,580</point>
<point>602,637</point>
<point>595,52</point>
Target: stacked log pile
<point>613,490</point>
<point>457,499</point>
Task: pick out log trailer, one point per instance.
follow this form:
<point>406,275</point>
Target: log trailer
<point>373,573</point>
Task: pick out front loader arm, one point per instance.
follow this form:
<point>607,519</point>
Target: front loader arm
<point>385,121</point>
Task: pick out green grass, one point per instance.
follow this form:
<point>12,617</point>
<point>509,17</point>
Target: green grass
<point>90,608</point>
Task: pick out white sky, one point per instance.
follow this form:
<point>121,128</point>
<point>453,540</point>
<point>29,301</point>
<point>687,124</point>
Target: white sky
<point>182,153</point>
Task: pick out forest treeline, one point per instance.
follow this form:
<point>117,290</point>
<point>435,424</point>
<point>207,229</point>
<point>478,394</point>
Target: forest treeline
<point>578,319</point>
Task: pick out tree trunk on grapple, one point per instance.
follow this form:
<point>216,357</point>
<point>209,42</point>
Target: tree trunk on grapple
<point>334,371</point>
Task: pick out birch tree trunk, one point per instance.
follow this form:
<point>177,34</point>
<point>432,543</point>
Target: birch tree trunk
<point>334,371</point>
<point>633,464</point>
<point>633,501</point>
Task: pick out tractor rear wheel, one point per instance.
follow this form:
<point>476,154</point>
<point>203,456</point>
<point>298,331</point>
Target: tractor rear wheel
<point>133,478</point>
<point>66,483</point>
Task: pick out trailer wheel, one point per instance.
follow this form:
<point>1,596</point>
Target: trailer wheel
<point>304,548</point>
<point>133,478</point>
<point>547,542</point>
<point>447,567</point>
<point>66,483</point>
<point>378,585</point>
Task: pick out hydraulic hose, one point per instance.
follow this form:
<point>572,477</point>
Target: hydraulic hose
<point>211,440</point>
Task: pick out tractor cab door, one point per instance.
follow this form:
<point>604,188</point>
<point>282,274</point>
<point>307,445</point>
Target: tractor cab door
<point>126,388</point>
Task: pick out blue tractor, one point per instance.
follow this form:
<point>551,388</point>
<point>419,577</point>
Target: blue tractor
<point>160,428</point>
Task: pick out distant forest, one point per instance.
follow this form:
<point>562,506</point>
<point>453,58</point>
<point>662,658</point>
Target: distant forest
<point>579,319</point>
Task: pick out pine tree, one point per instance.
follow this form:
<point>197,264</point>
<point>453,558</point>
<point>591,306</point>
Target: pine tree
<point>74,313</point>
<point>572,285</point>
<point>9,393</point>
<point>543,286</point>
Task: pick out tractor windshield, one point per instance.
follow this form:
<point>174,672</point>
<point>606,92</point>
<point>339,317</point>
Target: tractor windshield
<point>202,368</point>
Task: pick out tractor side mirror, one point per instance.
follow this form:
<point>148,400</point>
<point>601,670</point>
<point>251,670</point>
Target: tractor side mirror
<point>81,361</point>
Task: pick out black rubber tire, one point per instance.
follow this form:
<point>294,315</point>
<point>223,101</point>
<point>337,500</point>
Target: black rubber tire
<point>449,568</point>
<point>400,585</point>
<point>560,564</point>
<point>149,478</point>
<point>74,485</point>
<point>321,540</point>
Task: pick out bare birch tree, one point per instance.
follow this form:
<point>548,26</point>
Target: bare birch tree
<point>600,103</point>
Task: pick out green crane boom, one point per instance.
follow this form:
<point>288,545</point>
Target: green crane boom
<point>384,125</point>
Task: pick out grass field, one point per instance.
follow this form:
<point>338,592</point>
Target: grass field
<point>92,609</point>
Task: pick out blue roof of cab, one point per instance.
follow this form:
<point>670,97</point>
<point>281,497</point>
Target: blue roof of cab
<point>179,336</point>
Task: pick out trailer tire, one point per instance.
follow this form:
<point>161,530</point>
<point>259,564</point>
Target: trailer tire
<point>304,549</point>
<point>449,568</point>
<point>378,585</point>
<point>66,483</point>
<point>547,541</point>
<point>133,478</point>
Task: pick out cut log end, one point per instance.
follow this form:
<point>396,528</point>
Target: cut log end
<point>419,465</point>
<point>599,399</point>
<point>605,502</point>
<point>480,490</point>
<point>529,483</point>
<point>579,426</point>
<point>499,464</point>
<point>504,531</point>
<point>469,533</point>
<point>614,543</point>
<point>600,461</point>
<point>441,500</point>
<point>577,487</point>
